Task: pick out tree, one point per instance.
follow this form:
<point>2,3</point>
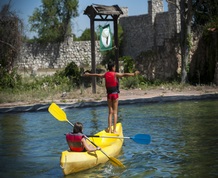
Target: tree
<point>52,20</point>
<point>186,18</point>
<point>10,43</point>
<point>186,13</point>
<point>203,67</point>
<point>193,12</point>
<point>205,11</point>
<point>86,35</point>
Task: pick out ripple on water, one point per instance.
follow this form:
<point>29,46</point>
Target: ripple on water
<point>183,141</point>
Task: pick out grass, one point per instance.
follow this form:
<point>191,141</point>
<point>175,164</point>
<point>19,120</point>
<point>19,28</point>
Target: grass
<point>49,94</point>
<point>41,96</point>
<point>65,93</point>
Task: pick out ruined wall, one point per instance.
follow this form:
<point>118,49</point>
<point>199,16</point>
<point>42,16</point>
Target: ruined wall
<point>155,33</point>
<point>136,38</point>
<point>145,32</point>
<point>38,56</point>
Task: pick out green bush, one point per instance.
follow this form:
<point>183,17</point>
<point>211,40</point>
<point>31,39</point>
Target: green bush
<point>129,82</point>
<point>9,80</point>
<point>72,71</point>
<point>128,64</point>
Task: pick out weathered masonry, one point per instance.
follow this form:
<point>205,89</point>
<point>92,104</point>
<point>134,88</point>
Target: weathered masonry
<point>148,31</point>
<point>154,32</point>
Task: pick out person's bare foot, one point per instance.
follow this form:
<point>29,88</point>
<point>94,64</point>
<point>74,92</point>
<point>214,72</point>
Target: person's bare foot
<point>108,130</point>
<point>115,132</point>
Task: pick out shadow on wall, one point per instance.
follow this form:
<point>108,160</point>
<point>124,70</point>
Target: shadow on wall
<point>49,51</point>
<point>204,63</point>
<point>159,64</point>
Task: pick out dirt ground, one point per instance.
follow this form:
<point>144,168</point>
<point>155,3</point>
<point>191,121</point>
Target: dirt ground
<point>168,92</point>
<point>127,94</point>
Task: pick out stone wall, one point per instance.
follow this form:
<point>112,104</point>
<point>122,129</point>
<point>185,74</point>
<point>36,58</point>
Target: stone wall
<point>136,39</point>
<point>148,32</point>
<point>38,56</point>
<point>151,39</point>
<point>153,33</point>
<point>161,63</point>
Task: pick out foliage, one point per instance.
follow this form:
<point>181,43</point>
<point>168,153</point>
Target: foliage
<point>210,26</point>
<point>129,82</point>
<point>35,88</point>
<point>65,79</point>
<point>10,39</point>
<point>86,35</point>
<point>128,63</point>
<point>138,82</point>
<point>203,63</point>
<point>205,11</point>
<point>73,73</point>
<point>9,80</point>
<point>15,81</point>
<point>52,20</point>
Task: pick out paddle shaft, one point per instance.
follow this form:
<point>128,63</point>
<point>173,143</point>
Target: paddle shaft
<point>97,146</point>
<point>138,138</point>
<point>70,123</point>
<point>108,136</point>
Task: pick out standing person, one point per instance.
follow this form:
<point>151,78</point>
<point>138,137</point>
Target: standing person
<point>112,87</point>
<point>76,140</point>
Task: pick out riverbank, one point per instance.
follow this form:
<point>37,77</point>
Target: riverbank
<point>126,96</point>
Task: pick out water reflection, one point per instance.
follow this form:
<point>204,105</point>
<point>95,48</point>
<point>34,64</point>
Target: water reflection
<point>184,141</point>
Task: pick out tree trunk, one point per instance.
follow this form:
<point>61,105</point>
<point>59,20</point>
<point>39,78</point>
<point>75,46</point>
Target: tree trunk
<point>185,37</point>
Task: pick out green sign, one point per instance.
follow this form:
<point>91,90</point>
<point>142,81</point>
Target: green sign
<point>105,38</point>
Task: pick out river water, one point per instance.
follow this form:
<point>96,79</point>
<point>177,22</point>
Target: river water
<point>184,141</point>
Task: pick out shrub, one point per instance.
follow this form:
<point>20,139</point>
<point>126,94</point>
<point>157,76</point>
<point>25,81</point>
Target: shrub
<point>72,71</point>
<point>128,64</point>
<point>9,80</point>
<point>130,82</point>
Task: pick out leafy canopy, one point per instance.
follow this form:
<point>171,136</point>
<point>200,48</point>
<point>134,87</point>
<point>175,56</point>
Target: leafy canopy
<point>52,20</point>
<point>205,11</point>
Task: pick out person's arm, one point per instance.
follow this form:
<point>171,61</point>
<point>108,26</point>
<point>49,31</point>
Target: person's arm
<point>127,74</point>
<point>93,74</point>
<point>89,148</point>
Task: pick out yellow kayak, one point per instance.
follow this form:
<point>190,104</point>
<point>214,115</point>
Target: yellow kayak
<point>72,162</point>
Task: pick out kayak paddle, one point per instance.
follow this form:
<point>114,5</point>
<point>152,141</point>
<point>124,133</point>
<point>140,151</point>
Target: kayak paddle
<point>138,138</point>
<point>60,115</point>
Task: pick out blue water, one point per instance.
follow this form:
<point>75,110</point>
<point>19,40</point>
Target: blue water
<point>184,141</point>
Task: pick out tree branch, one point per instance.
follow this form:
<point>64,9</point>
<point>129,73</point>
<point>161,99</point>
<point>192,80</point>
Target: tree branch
<point>168,1</point>
<point>13,48</point>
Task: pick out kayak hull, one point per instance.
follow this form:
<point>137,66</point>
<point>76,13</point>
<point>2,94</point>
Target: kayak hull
<point>72,162</point>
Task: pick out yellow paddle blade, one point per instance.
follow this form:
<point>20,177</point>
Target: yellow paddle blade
<point>57,112</point>
<point>116,162</point>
